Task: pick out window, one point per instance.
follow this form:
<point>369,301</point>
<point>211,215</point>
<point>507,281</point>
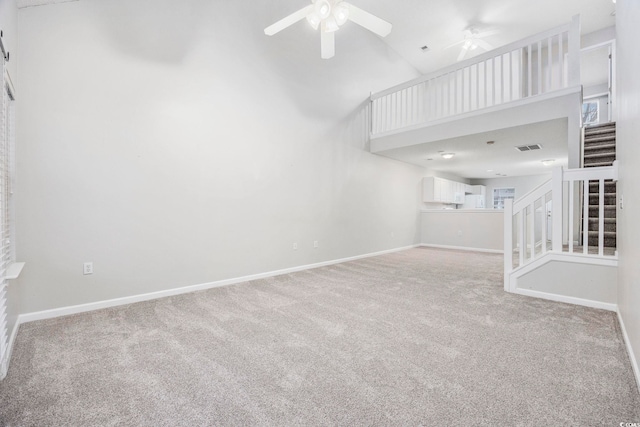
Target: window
<point>590,112</point>
<point>500,194</point>
<point>7,138</point>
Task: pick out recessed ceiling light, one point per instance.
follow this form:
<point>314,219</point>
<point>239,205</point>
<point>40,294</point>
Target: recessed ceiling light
<point>429,158</point>
<point>447,155</point>
<point>490,142</point>
<point>489,170</point>
<point>548,162</point>
<point>425,48</point>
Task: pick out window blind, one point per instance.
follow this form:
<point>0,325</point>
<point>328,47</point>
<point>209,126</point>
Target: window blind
<point>7,137</point>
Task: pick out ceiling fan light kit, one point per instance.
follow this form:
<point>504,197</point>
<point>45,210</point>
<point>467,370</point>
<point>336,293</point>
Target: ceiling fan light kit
<point>329,16</point>
<point>473,40</point>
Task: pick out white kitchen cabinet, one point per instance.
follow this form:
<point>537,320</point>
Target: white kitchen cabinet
<point>440,190</point>
<point>478,190</point>
<point>431,189</point>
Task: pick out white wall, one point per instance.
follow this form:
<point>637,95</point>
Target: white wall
<point>173,143</point>
<point>471,229</point>
<point>522,185</point>
<point>8,24</point>
<point>628,154</point>
<point>585,281</point>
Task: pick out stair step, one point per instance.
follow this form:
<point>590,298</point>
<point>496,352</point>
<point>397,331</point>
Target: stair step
<point>592,139</point>
<point>606,221</point>
<point>599,131</point>
<point>604,146</point>
<point>608,227</point>
<point>599,155</point>
<point>608,235</point>
<point>598,164</point>
<point>600,126</point>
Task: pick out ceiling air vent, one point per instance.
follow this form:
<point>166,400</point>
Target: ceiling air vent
<point>529,147</point>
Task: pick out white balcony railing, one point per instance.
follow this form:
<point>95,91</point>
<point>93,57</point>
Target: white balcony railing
<point>537,65</point>
<point>557,215</point>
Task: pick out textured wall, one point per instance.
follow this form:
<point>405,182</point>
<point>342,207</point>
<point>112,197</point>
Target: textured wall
<point>173,143</point>
<point>628,154</point>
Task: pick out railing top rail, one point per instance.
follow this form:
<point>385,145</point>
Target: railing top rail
<point>476,59</point>
<point>532,196</point>
<point>584,174</point>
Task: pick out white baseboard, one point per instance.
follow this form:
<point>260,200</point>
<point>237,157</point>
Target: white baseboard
<point>567,299</point>
<point>632,357</point>
<point>81,308</point>
<point>462,248</point>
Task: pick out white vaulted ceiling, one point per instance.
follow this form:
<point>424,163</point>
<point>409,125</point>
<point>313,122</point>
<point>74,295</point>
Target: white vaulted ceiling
<point>416,23</point>
<point>439,23</point>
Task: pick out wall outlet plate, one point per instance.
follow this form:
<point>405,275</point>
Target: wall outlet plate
<point>87,268</point>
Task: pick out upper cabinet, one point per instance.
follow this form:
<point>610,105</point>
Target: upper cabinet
<point>440,190</point>
<point>477,190</point>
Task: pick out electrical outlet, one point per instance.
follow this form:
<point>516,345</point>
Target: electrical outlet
<point>621,202</point>
<point>459,232</point>
<point>295,246</point>
<point>87,268</point>
<point>393,234</point>
<point>315,243</point>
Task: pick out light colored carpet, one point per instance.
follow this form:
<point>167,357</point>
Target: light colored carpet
<point>419,337</point>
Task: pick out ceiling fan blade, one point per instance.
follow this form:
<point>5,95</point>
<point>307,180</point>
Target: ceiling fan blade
<point>487,33</point>
<point>289,20</point>
<point>327,44</point>
<point>483,44</point>
<point>455,44</point>
<point>463,53</point>
<point>369,21</point>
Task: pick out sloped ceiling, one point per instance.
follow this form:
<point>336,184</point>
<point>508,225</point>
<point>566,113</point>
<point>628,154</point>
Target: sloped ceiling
<point>416,23</point>
<point>440,23</point>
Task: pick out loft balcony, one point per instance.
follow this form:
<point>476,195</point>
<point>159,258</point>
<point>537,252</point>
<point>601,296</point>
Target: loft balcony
<point>520,86</point>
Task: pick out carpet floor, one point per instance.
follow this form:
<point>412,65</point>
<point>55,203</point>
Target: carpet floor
<point>419,337</point>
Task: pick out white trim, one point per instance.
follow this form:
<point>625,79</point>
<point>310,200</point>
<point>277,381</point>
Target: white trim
<point>598,45</point>
<point>595,95</point>
<point>578,258</point>
<point>462,211</point>
<point>4,365</point>
<point>486,110</point>
<point>14,270</point>
<point>462,248</point>
<point>511,278</point>
<point>566,299</point>
<point>632,358</point>
<point>81,308</point>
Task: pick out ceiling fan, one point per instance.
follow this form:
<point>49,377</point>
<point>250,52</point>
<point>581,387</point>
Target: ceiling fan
<point>329,16</point>
<point>473,40</point>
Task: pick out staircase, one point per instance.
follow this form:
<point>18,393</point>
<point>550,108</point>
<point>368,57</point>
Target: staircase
<point>600,150</point>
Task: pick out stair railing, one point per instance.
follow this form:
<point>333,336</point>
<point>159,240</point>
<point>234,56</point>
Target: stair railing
<point>537,65</point>
<point>546,219</point>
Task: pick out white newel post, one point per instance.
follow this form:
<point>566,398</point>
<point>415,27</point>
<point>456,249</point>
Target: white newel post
<point>508,243</point>
<point>556,210</point>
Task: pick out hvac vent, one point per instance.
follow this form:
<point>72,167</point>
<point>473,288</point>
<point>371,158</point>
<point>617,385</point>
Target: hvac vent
<point>529,147</point>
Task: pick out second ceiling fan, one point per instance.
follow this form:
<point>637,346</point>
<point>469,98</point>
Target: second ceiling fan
<point>473,40</point>
<point>328,16</point>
